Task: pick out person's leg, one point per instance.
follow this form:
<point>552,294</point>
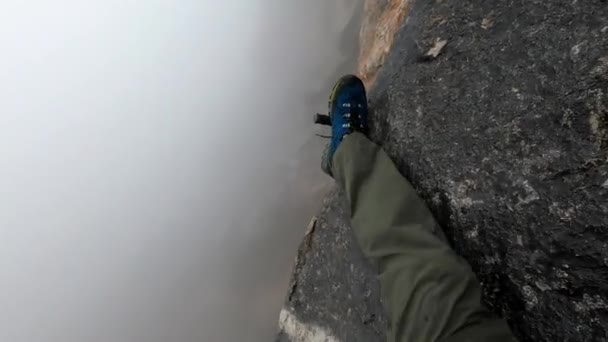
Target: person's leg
<point>429,292</point>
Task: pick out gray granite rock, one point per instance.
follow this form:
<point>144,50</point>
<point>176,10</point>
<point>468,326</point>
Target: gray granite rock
<point>333,284</point>
<point>505,134</point>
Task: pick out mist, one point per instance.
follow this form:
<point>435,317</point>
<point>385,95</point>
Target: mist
<point>158,164</point>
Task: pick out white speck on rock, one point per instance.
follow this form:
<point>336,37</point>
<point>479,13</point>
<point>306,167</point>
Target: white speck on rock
<point>605,185</point>
<point>529,297</point>
<point>303,332</point>
<point>601,69</point>
<point>542,286</point>
<point>594,122</point>
<point>487,23</point>
<point>531,193</point>
<point>466,202</point>
<point>491,260</point>
<point>473,233</point>
<point>518,95</point>
<point>419,112</point>
<point>437,48</point>
<point>566,215</point>
<point>576,50</point>
<point>460,197</point>
<point>520,240</point>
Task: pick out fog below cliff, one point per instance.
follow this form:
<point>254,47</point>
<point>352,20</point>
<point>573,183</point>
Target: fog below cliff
<point>158,165</point>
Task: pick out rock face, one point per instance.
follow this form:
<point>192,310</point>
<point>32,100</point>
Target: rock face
<point>381,22</point>
<point>505,134</point>
<point>333,285</point>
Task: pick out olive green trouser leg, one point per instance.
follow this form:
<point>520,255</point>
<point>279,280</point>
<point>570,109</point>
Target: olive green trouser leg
<point>428,291</point>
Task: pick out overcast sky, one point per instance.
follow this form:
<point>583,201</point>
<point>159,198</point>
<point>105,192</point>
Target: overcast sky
<point>157,165</point>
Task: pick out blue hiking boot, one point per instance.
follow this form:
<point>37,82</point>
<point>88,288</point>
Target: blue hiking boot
<point>347,112</point>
